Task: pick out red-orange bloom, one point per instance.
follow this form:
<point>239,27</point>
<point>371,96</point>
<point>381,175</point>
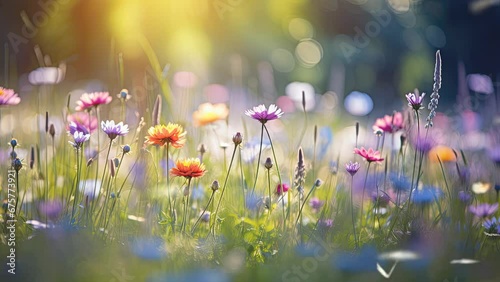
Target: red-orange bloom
<point>188,168</point>
<point>172,134</point>
<point>369,155</point>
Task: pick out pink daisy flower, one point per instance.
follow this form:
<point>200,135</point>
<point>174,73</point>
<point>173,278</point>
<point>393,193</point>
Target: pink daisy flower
<point>89,100</point>
<point>389,124</point>
<point>8,97</point>
<point>369,155</point>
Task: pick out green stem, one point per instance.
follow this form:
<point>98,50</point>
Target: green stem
<point>364,189</point>
<point>258,159</point>
<point>223,189</point>
<point>201,215</point>
<point>352,215</point>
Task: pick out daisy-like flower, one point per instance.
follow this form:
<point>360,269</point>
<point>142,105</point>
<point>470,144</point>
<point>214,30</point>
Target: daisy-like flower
<point>389,124</point>
<point>8,97</point>
<point>90,100</point>
<point>208,113</point>
<point>188,168</point>
<point>483,210</point>
<point>79,138</point>
<point>172,134</point>
<point>114,130</point>
<point>369,155</point>
<point>415,101</point>
<point>352,168</point>
<point>81,121</point>
<point>264,115</point>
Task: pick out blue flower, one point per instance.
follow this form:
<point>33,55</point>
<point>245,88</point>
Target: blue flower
<point>202,275</point>
<point>400,182</point>
<point>365,261</point>
<point>325,139</point>
<point>150,248</point>
<point>492,226</point>
<point>426,195</point>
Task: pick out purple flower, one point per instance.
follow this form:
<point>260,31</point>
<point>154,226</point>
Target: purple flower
<point>464,196</point>
<point>79,138</point>
<point>325,223</point>
<point>415,101</point>
<point>480,83</point>
<point>316,204</point>
<point>483,210</point>
<point>51,208</point>
<point>264,115</point>
<point>352,168</point>
<point>113,130</point>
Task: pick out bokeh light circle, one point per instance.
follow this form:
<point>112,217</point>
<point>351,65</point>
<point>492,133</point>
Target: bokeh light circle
<point>358,103</point>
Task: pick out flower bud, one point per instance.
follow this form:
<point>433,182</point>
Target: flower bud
<point>52,130</point>
<point>16,164</point>
<point>205,217</point>
<point>215,185</point>
<point>318,182</point>
<point>237,139</point>
<point>13,143</point>
<point>269,163</point>
<point>126,149</point>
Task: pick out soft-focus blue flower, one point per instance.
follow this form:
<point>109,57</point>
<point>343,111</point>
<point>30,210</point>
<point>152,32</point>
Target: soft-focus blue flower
<point>400,182</point>
<point>149,248</point>
<point>251,149</point>
<point>253,202</point>
<point>464,197</point>
<point>364,261</point>
<point>201,275</point>
<point>325,139</point>
<point>426,195</point>
<point>198,192</point>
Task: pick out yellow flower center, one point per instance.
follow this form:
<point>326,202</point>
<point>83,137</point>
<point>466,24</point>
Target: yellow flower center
<point>1,92</point>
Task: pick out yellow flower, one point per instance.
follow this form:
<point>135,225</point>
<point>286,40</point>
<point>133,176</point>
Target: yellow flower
<point>208,113</point>
<point>444,153</point>
<point>172,134</point>
<point>188,168</point>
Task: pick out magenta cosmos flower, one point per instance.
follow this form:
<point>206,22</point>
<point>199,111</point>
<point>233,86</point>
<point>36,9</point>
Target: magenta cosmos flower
<point>264,115</point>
<point>89,100</point>
<point>389,124</point>
<point>83,122</point>
<point>369,155</point>
<point>8,97</point>
<point>114,130</point>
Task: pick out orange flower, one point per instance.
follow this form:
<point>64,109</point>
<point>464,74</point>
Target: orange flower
<point>444,153</point>
<point>188,168</point>
<point>172,134</point>
<point>208,113</point>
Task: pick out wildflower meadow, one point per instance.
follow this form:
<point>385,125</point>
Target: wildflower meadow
<point>170,175</point>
